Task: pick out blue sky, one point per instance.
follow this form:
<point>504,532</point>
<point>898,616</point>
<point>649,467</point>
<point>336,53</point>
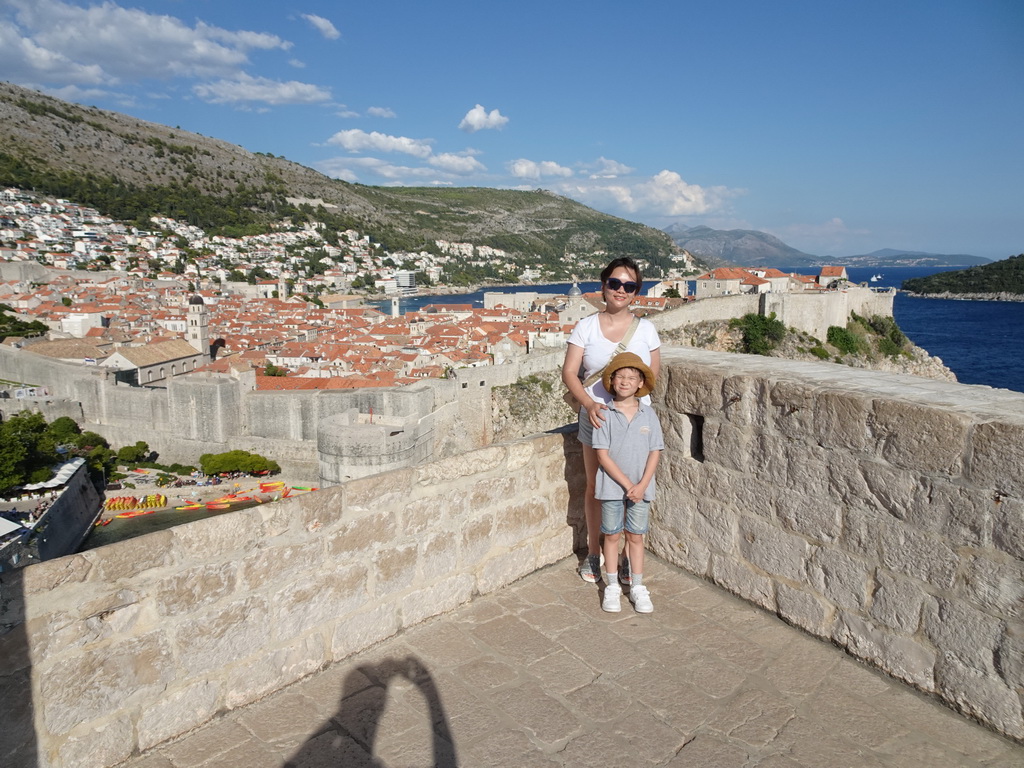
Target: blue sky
<point>841,128</point>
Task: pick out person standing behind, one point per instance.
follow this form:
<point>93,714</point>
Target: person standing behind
<point>593,342</point>
<point>628,447</point>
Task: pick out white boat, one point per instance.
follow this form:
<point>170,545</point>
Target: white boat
<point>875,278</point>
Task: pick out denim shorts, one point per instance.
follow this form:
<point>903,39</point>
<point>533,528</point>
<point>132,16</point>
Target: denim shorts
<point>637,516</point>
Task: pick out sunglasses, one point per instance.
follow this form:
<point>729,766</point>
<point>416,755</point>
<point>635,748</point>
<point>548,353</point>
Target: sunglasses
<point>615,284</point>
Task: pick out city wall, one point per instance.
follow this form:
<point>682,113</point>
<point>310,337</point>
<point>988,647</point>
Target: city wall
<point>128,645</point>
<point>881,512</point>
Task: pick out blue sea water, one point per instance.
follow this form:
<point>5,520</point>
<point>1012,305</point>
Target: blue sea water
<point>982,342</point>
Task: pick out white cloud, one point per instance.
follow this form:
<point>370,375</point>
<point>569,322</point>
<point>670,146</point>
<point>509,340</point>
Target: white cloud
<point>609,169</point>
<point>344,111</point>
<point>297,63</point>
<point>325,27</point>
<point>530,169</point>
<point>458,164</point>
<point>57,43</point>
<point>360,141</point>
<point>380,112</point>
<point>478,118</point>
<point>664,194</point>
<point>246,88</point>
<point>354,168</point>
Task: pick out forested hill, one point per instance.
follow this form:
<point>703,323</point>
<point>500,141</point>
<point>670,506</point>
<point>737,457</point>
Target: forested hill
<point>130,169</point>
<point>999,277</point>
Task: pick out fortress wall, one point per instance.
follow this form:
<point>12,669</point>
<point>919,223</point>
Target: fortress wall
<point>881,512</point>
<point>131,644</point>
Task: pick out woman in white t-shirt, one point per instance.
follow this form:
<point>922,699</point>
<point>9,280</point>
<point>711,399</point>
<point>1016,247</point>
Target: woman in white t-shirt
<point>591,345</point>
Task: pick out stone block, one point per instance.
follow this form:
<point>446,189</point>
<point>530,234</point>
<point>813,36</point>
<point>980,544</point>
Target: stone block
<point>772,549</point>
<point>897,602</point>
<point>363,534</point>
<point>45,577</point>
<point>487,493</point>
<point>503,568</point>
<point>920,438</point>
<point>916,553</point>
<point>525,520</point>
<point>846,482</point>
<point>380,490</point>
<point>223,635</point>
<point>817,518</point>
<point>555,547</point>
<point>692,389</point>
<point>1008,526</point>
<point>996,459</point>
<point>464,465</point>
<point>215,538</point>
<point>742,580</point>
<point>840,421</point>
<point>273,669</point>
<point>315,511</point>
<point>959,513</point>
<point>840,578</point>
<point>477,540</point>
<point>394,569</point>
<point>1010,655</point>
<point>684,551</point>
<point>981,695</point>
<point>318,600</point>
<point>440,597</point>
<point>360,630</point>
<point>861,533</point>
<point>901,657</point>
<point>523,453</point>
<point>804,609</point>
<point>104,678</point>
<point>438,555</point>
<point>127,559</point>
<point>107,744</point>
<point>176,712</point>
<point>791,409</point>
<point>192,588</point>
<point>995,586</point>
<point>716,526</point>
<point>729,446</point>
<point>963,633</point>
<point>276,562</point>
<point>428,513</point>
<point>893,490</point>
<point>740,400</point>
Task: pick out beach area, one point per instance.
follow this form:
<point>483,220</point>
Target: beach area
<point>146,508</point>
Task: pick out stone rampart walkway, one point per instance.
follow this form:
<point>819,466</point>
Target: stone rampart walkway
<point>538,675</point>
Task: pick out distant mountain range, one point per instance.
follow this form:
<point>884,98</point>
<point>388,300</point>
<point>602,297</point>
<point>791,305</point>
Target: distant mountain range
<point>751,248</point>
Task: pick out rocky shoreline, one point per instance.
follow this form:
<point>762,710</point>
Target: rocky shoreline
<point>1003,296</point>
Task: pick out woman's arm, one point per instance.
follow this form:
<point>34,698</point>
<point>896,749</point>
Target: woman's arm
<point>571,379</point>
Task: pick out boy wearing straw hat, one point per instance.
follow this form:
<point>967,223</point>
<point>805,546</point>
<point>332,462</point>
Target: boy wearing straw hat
<point>628,446</point>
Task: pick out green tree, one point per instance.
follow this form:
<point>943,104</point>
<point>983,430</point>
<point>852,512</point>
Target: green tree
<point>761,334</point>
<point>133,454</point>
<point>236,461</point>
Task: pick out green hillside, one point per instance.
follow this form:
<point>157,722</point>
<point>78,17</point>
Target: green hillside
<point>1005,276</point>
<point>130,169</point>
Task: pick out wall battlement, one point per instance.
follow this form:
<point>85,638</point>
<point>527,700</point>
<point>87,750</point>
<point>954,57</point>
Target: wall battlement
<point>883,513</point>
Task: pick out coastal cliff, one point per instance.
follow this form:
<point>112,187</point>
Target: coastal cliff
<point>998,281</point>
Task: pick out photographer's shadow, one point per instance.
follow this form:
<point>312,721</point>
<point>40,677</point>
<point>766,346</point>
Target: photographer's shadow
<point>352,737</point>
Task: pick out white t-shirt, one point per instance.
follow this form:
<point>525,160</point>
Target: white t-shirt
<point>597,350</point>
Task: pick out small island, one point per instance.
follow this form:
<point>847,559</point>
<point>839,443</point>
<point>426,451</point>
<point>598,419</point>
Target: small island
<point>998,281</point>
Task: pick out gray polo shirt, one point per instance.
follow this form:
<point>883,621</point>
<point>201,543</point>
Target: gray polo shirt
<point>628,443</point>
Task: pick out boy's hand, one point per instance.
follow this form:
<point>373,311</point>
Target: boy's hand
<point>635,493</point>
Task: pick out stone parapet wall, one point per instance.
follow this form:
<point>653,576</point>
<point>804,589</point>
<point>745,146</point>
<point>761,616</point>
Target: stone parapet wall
<point>881,512</point>
<point>133,643</point>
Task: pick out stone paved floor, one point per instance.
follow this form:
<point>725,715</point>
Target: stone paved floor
<point>538,675</point>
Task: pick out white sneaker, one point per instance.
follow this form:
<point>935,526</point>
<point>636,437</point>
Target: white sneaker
<point>610,603</point>
<point>641,599</point>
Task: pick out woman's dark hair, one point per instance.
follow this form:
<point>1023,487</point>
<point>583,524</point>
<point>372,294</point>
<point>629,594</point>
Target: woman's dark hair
<point>628,263</point>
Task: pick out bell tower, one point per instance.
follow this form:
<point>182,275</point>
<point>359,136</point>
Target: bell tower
<point>198,334</point>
